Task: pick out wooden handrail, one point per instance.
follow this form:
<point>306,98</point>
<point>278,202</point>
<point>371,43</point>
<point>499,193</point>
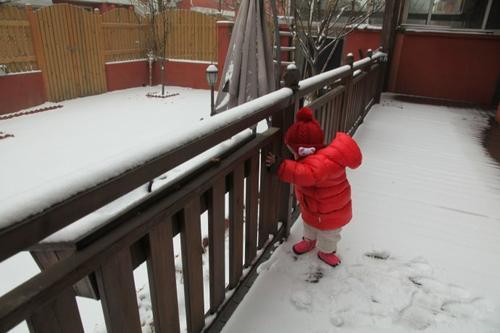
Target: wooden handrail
<point>31,230</point>
<point>314,83</point>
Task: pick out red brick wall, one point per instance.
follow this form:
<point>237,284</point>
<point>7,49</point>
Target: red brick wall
<point>460,67</point>
<point>136,74</point>
<point>183,74</point>
<point>127,75</point>
<point>224,31</point>
<point>20,91</point>
<point>453,66</point>
<point>361,40</point>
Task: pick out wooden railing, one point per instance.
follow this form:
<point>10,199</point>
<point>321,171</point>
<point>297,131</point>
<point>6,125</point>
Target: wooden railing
<point>258,202</point>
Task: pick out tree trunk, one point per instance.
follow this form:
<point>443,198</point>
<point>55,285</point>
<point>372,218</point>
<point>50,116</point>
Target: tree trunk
<point>162,76</point>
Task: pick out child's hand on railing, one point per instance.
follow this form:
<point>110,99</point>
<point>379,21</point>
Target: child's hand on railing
<point>270,160</point>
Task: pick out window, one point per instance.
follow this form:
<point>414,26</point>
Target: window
<point>455,14</point>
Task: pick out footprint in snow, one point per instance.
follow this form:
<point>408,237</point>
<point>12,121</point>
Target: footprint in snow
<point>383,289</point>
<point>380,255</point>
<point>302,300</point>
<point>315,276</point>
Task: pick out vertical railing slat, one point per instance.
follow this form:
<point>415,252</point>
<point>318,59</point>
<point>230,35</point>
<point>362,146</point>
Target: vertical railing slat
<point>274,193</point>
<point>162,281</point>
<point>346,100</point>
<point>265,198</point>
<point>192,265</point>
<point>115,280</point>
<point>329,121</point>
<point>236,226</point>
<point>216,247</point>
<point>59,316</point>
<point>251,207</point>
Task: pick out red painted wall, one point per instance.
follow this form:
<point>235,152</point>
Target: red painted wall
<point>460,67</point>
<point>224,31</point>
<point>361,40</point>
<point>127,75</point>
<point>453,66</point>
<point>20,91</point>
<point>183,74</point>
<point>136,74</point>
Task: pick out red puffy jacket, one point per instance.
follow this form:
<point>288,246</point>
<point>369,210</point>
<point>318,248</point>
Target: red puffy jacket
<point>321,184</point>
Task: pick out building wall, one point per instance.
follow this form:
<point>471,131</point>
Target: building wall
<point>454,66</point>
<point>459,67</point>
<point>361,40</point>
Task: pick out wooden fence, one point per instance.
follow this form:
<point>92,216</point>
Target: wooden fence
<point>125,35</point>
<point>16,40</point>
<point>72,50</point>
<point>257,202</point>
<point>71,45</point>
<point>191,35</point>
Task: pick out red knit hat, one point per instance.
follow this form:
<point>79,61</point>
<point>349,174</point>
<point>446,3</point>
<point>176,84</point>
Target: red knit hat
<point>305,133</point>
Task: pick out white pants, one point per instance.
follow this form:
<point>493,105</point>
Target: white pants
<point>327,239</point>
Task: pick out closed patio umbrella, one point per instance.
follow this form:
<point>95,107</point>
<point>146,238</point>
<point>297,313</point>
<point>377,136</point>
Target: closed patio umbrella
<point>248,70</point>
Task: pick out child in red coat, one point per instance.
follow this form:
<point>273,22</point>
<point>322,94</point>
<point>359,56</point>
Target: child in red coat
<point>321,185</point>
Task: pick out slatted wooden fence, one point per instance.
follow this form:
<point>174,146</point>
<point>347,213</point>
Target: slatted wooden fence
<point>191,35</point>
<point>125,35</point>
<point>72,48</point>
<point>16,40</point>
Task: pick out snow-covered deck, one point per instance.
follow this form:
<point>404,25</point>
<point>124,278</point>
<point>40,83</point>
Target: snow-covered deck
<point>423,249</point>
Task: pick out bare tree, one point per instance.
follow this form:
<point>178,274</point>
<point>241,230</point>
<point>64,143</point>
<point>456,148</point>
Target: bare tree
<point>318,27</point>
<point>155,11</point>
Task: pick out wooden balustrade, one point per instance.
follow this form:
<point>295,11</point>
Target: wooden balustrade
<point>257,203</point>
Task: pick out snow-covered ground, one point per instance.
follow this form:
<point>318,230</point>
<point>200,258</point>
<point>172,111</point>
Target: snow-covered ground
<point>421,253</point>
<point>423,249</point>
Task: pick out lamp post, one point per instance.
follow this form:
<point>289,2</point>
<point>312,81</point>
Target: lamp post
<point>212,73</point>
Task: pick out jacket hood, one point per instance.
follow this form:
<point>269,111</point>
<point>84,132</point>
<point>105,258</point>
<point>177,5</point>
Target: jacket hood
<point>344,150</point>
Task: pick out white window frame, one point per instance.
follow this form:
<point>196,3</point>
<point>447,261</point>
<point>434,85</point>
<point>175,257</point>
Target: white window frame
<point>428,26</point>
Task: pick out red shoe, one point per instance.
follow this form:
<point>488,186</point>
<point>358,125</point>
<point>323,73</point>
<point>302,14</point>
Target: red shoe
<point>330,258</point>
<point>304,246</point>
